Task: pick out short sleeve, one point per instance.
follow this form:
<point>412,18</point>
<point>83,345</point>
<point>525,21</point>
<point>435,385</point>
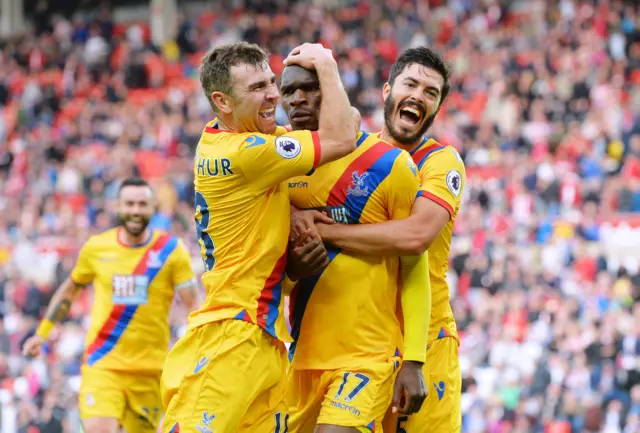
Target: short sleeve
<point>83,272</point>
<point>404,187</point>
<point>443,178</point>
<point>271,159</point>
<point>182,272</point>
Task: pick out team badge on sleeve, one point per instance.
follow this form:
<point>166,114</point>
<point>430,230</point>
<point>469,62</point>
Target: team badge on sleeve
<point>454,182</point>
<point>288,147</point>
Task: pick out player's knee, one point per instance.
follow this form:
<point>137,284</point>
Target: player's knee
<point>100,425</point>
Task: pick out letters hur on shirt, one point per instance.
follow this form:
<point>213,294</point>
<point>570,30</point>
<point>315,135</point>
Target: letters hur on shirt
<point>213,167</point>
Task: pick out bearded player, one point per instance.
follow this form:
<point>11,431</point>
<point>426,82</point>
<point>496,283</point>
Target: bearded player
<point>227,373</point>
<point>417,86</point>
<point>135,274</point>
<point>345,354</point>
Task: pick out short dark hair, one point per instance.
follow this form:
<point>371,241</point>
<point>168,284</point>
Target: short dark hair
<point>426,57</point>
<point>215,70</point>
<point>132,181</point>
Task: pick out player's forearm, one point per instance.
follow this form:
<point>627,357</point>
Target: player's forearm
<point>388,238</point>
<point>59,307</point>
<point>416,306</point>
<point>337,122</point>
<point>190,297</point>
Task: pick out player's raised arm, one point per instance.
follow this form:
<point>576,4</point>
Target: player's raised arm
<point>339,122</point>
<point>60,304</point>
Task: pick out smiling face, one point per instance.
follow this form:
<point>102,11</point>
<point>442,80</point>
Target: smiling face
<point>241,87</point>
<point>301,97</point>
<point>254,98</point>
<point>412,102</point>
<point>135,208</point>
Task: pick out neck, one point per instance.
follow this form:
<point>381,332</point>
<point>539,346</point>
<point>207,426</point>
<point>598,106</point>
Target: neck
<point>409,147</point>
<point>229,125</point>
<point>129,240</point>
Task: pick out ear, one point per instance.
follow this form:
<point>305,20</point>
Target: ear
<point>386,90</point>
<point>223,102</point>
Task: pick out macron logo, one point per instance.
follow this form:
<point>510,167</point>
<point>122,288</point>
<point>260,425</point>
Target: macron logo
<point>200,365</point>
<point>439,389</point>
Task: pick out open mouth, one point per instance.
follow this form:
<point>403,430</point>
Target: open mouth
<point>268,113</point>
<point>410,114</point>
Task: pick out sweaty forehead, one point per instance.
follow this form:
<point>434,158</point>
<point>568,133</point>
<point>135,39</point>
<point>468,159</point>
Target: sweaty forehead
<point>246,74</point>
<point>296,75</point>
<point>423,74</point>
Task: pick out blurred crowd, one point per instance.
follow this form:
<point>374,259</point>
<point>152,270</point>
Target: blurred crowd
<point>544,109</point>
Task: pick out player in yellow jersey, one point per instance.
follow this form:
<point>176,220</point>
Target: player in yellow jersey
<point>227,373</point>
<point>417,86</point>
<point>135,274</point>
<point>345,354</point>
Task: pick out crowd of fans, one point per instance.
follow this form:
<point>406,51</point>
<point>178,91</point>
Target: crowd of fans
<point>544,109</point>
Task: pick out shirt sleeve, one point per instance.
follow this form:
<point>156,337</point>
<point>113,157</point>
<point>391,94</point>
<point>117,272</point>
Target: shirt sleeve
<point>404,187</point>
<point>83,272</point>
<point>182,273</point>
<point>270,159</point>
<point>443,179</point>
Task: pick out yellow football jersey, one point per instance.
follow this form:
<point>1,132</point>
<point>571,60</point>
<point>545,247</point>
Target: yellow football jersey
<point>133,291</point>
<point>442,175</point>
<point>242,218</point>
<point>347,314</point>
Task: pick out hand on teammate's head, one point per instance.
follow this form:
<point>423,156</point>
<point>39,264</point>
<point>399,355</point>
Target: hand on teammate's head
<point>310,56</point>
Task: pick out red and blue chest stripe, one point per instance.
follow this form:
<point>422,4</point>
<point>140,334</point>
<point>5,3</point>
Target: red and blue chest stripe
<point>121,315</point>
<point>362,177</point>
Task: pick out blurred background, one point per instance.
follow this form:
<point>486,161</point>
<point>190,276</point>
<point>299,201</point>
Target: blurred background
<point>544,110</point>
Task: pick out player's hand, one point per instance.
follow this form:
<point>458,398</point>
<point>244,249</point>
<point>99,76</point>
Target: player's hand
<point>33,346</point>
<point>303,224</point>
<point>409,391</point>
<point>309,56</point>
<point>308,259</point>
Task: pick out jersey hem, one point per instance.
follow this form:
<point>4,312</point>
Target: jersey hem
<point>195,323</point>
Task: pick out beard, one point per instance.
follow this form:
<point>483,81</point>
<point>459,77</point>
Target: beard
<point>397,134</point>
<point>143,221</point>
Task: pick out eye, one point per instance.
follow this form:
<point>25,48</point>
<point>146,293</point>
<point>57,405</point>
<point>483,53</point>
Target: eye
<point>411,85</point>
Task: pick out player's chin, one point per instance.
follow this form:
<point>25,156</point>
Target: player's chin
<point>267,125</point>
<point>304,126</point>
<point>135,228</point>
<point>404,136</point>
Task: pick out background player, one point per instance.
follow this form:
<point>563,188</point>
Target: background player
<point>227,374</point>
<point>417,86</point>
<point>135,273</point>
<point>349,309</point>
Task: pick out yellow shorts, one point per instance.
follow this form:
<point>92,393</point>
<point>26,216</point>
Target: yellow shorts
<point>226,376</point>
<point>441,411</point>
<point>352,397</point>
<point>132,399</point>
